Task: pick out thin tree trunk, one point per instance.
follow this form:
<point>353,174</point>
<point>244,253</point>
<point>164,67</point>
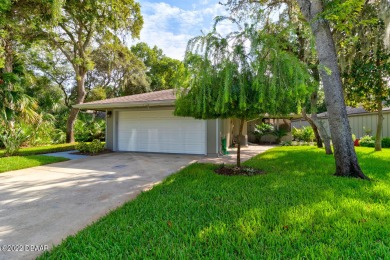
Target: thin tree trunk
<point>70,125</point>
<point>345,156</point>
<point>321,128</point>
<point>75,111</point>
<point>379,126</point>
<point>242,121</point>
<point>9,56</point>
<point>313,106</point>
<point>315,128</point>
<point>9,68</point>
<point>324,134</point>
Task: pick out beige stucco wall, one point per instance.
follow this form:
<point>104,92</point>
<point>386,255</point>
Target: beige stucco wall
<point>213,138</point>
<point>226,131</point>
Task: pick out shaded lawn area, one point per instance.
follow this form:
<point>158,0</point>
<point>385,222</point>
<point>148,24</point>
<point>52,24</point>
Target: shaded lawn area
<point>296,210</point>
<point>22,162</point>
<point>43,149</point>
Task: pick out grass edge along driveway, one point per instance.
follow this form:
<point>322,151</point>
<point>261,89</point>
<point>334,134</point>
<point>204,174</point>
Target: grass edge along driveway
<point>299,209</point>
<point>43,149</point>
<point>30,157</point>
<point>22,162</point>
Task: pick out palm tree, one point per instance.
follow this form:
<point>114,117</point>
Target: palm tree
<point>14,104</point>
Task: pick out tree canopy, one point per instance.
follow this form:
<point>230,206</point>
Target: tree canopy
<point>84,24</point>
<point>367,70</point>
<point>163,72</point>
<point>241,75</point>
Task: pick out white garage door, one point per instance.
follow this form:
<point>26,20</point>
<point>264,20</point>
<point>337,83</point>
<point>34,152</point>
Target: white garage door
<point>160,132</point>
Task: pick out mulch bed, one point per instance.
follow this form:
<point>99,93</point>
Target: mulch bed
<point>234,171</point>
<point>93,154</point>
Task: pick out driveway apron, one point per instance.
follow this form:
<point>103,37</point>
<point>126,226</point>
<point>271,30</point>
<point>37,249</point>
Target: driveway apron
<point>40,206</point>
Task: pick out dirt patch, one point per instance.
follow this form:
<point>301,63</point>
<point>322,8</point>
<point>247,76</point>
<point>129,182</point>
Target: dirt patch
<point>93,154</point>
<point>233,171</point>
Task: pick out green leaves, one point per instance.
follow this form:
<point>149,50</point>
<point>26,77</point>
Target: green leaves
<point>13,102</point>
<point>366,74</point>
<point>344,14</point>
<point>243,75</point>
<point>162,71</point>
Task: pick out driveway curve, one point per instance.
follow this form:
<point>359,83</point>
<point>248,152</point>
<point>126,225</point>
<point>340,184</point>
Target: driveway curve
<point>40,206</point>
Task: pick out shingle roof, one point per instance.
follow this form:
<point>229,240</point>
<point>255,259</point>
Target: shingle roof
<point>145,97</point>
<point>163,97</point>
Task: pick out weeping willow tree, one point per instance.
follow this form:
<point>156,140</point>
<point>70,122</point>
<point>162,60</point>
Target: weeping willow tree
<point>242,75</point>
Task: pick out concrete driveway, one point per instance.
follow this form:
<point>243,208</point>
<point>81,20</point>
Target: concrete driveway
<point>41,206</point>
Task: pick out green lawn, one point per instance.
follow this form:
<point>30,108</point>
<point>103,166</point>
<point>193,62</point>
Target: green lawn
<point>297,210</point>
<point>43,149</point>
<point>22,162</point>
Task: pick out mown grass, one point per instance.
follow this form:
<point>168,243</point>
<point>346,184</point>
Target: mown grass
<point>22,162</point>
<point>43,149</point>
<point>297,210</point>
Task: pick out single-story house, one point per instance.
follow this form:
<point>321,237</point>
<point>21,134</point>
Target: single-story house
<point>145,123</point>
<point>361,121</point>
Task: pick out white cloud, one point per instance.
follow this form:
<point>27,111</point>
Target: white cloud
<point>170,27</point>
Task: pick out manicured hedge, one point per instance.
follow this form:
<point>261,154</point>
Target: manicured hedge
<point>43,149</point>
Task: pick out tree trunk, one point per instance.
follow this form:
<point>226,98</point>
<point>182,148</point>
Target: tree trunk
<point>345,156</point>
<point>324,134</point>
<point>315,128</point>
<point>70,125</point>
<point>9,56</point>
<point>313,102</point>
<point>80,77</point>
<point>379,126</point>
<point>9,68</point>
<point>242,121</point>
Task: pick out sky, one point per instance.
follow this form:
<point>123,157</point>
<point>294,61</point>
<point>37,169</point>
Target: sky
<point>169,24</point>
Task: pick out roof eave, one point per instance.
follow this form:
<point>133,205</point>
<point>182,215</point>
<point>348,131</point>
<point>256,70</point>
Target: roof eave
<point>108,106</point>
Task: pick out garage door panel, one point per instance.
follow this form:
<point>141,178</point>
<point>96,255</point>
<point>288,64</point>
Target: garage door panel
<point>160,131</point>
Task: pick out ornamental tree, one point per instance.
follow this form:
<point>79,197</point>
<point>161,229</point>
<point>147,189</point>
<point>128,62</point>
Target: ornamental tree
<point>242,75</point>
<point>322,15</point>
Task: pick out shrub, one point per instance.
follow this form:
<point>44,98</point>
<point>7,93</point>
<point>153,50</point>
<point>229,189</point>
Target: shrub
<point>59,137</point>
<point>386,142</point>
<point>96,146</point>
<point>353,137</point>
<point>279,134</point>
<point>40,133</point>
<point>367,131</point>
<point>306,134</point>
<point>367,141</point>
<point>262,130</point>
<point>13,140</point>
<point>286,143</point>
<point>82,147</point>
<point>87,128</point>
